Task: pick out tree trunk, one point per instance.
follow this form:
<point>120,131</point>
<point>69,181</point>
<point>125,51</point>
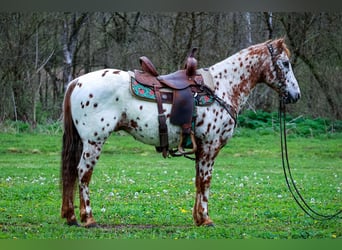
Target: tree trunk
<point>14,105</point>
<point>269,23</point>
<point>248,30</point>
<point>70,40</point>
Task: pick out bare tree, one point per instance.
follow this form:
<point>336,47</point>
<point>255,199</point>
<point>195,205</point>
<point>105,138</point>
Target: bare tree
<point>248,29</point>
<point>300,30</point>
<point>71,29</point>
<point>269,21</point>
<point>42,52</point>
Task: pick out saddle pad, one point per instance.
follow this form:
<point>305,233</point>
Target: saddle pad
<point>207,78</point>
<point>147,94</point>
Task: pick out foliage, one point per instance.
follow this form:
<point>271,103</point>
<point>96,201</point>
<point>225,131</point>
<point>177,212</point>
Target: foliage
<point>136,194</point>
<point>25,127</point>
<point>257,121</point>
<point>268,122</point>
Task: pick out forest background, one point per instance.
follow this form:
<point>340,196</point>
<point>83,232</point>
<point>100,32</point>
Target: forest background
<point>42,51</point>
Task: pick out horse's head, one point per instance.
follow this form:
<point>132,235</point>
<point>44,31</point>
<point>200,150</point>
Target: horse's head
<point>281,77</point>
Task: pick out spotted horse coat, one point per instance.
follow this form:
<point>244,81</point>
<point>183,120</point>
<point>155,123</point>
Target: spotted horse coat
<point>99,103</point>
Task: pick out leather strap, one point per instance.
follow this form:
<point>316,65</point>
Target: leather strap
<point>163,135</point>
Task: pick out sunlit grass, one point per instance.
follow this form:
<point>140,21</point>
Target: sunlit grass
<point>135,193</point>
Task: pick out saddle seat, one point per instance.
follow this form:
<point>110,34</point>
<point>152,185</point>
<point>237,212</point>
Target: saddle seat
<point>178,80</point>
<point>180,83</point>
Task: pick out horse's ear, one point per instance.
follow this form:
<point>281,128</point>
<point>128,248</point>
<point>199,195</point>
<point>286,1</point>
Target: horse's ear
<point>280,42</point>
<point>280,46</point>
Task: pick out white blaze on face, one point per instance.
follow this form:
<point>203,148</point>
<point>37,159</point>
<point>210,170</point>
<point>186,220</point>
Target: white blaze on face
<point>290,84</point>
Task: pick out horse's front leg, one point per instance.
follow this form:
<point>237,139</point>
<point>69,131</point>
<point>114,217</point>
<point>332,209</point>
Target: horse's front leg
<point>90,155</point>
<point>204,166</point>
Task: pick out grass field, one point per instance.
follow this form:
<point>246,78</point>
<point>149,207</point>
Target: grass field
<point>136,194</point>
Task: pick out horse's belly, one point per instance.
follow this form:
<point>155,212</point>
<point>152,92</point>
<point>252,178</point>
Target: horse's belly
<point>143,123</point>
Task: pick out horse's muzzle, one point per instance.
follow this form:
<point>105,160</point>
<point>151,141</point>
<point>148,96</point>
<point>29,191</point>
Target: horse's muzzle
<point>291,98</point>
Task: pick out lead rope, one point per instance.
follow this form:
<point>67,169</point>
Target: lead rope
<point>288,175</point>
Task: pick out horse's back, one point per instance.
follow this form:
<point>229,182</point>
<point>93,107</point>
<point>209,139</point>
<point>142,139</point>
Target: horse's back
<point>100,82</point>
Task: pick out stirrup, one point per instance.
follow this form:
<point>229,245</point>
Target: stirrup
<point>181,150</point>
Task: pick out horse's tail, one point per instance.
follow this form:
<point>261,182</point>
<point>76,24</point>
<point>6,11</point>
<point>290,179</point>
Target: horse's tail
<point>71,149</point>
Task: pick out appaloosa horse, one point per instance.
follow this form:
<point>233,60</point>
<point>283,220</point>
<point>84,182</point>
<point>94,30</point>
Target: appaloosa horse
<point>100,102</point>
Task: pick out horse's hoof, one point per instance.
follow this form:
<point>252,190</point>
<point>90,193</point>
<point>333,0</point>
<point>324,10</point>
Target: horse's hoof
<point>211,224</point>
<point>92,225</point>
<point>73,223</point>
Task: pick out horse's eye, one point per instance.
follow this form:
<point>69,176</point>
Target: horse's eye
<point>286,64</point>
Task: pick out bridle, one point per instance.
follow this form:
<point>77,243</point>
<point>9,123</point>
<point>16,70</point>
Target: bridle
<point>279,74</point>
<point>288,175</point>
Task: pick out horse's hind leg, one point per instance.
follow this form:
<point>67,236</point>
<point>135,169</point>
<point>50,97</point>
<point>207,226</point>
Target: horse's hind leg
<point>90,155</point>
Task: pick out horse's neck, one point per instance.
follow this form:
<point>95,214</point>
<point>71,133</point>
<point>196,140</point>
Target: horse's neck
<point>235,77</point>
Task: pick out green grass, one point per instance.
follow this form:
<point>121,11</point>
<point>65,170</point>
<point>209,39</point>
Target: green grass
<point>135,193</point>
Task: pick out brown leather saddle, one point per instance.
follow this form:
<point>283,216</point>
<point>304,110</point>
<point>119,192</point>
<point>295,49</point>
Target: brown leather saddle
<point>183,84</point>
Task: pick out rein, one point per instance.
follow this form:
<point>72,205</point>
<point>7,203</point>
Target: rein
<point>288,175</point>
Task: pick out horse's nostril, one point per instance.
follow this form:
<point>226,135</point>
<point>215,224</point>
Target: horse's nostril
<point>296,97</point>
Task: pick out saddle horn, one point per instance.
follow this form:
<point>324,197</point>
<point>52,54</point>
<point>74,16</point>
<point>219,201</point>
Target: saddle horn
<point>191,63</point>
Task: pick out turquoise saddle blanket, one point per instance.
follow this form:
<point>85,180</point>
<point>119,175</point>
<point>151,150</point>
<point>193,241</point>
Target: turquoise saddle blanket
<point>147,93</point>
